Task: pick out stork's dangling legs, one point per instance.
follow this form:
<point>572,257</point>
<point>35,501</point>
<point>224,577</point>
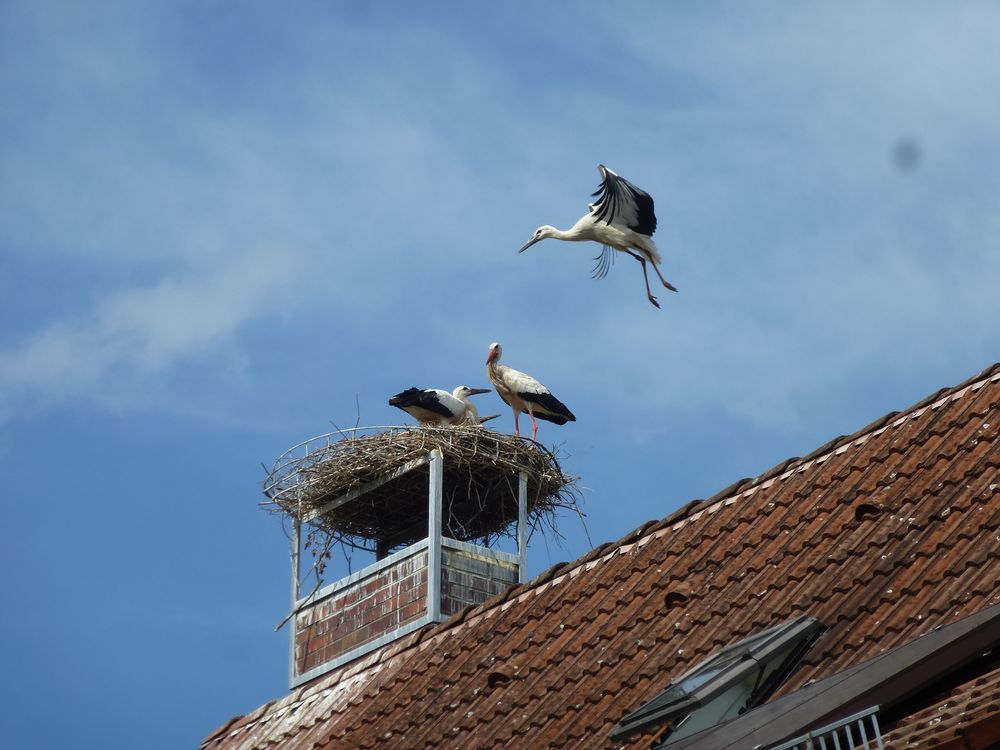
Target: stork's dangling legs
<point>517,431</point>
<point>656,268</point>
<point>646,279</point>
<point>666,283</point>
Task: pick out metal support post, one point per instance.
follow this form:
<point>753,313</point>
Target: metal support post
<point>296,544</point>
<point>435,490</point>
<point>522,527</point>
<point>296,551</point>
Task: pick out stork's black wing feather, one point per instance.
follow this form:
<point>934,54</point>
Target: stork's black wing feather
<point>551,417</point>
<point>558,412</point>
<point>603,262</point>
<point>617,198</point>
<point>423,398</point>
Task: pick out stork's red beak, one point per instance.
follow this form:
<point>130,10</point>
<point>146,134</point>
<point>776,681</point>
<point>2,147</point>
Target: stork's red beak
<point>492,356</point>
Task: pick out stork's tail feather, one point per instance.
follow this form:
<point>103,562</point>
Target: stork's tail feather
<point>555,410</point>
<point>556,418</point>
<point>409,397</point>
<point>650,250</point>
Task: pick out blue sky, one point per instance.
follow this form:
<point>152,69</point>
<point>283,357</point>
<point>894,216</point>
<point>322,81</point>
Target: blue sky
<point>224,227</point>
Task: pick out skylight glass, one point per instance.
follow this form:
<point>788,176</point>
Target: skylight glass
<point>737,677</point>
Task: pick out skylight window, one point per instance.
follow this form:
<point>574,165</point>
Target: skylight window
<point>730,681</point>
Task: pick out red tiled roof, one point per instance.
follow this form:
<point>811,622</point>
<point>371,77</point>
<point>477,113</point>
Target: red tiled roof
<point>881,535</point>
<point>966,716</point>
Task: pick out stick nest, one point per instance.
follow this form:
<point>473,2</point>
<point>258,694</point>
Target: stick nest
<point>480,486</point>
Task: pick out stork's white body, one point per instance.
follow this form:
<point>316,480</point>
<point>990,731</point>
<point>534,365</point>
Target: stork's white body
<point>619,237</point>
<point>523,393</point>
<point>621,220</point>
<point>437,407</point>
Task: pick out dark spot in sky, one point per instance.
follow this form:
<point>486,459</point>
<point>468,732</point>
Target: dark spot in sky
<point>906,154</point>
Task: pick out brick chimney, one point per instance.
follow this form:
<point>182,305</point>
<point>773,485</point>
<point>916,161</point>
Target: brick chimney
<point>423,583</point>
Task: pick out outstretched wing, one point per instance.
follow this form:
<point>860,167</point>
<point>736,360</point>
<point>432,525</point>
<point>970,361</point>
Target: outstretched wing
<point>622,203</point>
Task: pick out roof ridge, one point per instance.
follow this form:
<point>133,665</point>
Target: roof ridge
<point>790,464</point>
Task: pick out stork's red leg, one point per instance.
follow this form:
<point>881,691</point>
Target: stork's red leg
<point>646,279</point>
<point>516,430</point>
<point>666,283</point>
<point>534,427</point>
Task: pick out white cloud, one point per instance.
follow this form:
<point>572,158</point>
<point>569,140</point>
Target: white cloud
<point>144,330</point>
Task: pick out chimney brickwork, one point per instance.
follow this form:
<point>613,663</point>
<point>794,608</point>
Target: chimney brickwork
<point>388,599</point>
<point>467,578</point>
<point>358,612</point>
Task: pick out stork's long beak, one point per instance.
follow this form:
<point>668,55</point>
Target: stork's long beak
<point>491,356</point>
<point>474,391</point>
<point>529,243</point>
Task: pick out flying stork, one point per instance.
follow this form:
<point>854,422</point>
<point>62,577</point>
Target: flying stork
<point>435,407</point>
<point>622,219</point>
<point>523,393</point>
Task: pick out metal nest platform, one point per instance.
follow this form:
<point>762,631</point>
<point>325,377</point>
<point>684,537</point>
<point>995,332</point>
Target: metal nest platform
<point>368,487</point>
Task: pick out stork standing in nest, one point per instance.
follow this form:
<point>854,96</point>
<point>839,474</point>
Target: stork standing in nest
<point>522,392</point>
<point>433,407</point>
<point>622,220</point>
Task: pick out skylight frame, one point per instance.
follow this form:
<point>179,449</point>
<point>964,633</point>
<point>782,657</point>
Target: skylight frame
<point>743,658</point>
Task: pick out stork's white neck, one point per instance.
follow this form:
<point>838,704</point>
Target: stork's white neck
<point>571,234</point>
<point>578,232</point>
<point>471,414</point>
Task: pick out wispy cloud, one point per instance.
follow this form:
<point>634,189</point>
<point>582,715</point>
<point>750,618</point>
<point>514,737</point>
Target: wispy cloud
<point>142,330</point>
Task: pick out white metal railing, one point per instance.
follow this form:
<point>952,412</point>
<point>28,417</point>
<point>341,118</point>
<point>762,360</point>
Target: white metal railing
<point>853,732</point>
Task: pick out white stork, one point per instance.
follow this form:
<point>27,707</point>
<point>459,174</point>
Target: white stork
<point>622,219</point>
<point>435,407</point>
<point>523,393</point>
